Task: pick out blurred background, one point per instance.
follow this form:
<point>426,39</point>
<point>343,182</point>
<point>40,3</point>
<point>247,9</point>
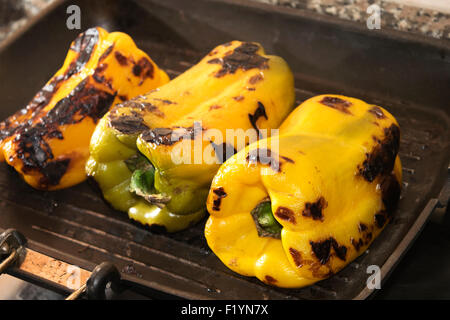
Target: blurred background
<point>428,17</point>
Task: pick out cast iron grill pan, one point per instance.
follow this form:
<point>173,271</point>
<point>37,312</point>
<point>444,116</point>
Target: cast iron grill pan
<point>407,75</point>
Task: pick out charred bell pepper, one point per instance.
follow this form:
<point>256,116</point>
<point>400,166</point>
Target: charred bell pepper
<point>299,215</point>
<point>47,142</point>
<point>134,150</point>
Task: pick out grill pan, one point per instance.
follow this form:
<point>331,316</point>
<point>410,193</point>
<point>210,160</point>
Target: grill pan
<point>407,74</point>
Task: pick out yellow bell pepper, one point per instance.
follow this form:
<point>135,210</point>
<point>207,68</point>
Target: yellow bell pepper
<point>155,156</point>
<point>47,142</point>
<point>301,211</point>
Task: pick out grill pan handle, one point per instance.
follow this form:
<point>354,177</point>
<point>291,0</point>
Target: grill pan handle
<point>12,244</point>
<point>25,263</point>
<point>95,287</point>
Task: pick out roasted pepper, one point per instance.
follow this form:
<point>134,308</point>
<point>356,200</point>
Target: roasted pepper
<point>155,156</point>
<point>47,142</point>
<point>299,214</point>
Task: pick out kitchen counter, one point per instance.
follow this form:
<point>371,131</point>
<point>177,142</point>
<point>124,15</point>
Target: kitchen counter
<point>432,20</point>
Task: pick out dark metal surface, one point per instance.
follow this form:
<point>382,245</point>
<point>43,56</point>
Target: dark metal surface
<point>408,75</point>
<point>424,272</point>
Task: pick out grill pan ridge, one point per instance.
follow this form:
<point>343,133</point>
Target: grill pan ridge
<point>409,75</point>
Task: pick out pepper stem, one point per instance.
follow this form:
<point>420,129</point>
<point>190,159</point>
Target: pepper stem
<point>143,180</point>
<point>265,222</point>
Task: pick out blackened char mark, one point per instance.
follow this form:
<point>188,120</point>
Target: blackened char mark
<point>259,112</point>
<point>220,194</point>
<point>84,44</point>
<point>106,53</point>
<point>98,78</point>
<point>286,214</point>
<point>267,157</point>
<point>128,124</point>
<point>377,112</point>
<point>255,79</point>
<point>382,157</point>
<point>143,68</point>
<point>341,251</point>
<point>322,250</point>
<point>287,159</point>
<point>139,105</point>
<point>337,103</point>
<point>165,101</point>
<point>362,227</point>
<point>316,267</point>
<point>214,107</point>
<point>243,57</point>
<point>365,236</point>
<point>262,156</point>
<point>121,59</point>
<point>86,39</point>
<point>357,244</point>
<point>270,279</point>
<point>390,193</point>
<point>159,136</point>
<point>53,171</point>
<point>223,151</point>
<point>168,136</point>
<point>84,101</point>
<point>314,209</point>
<point>101,68</point>
<point>154,109</point>
<point>32,148</point>
<point>297,257</point>
<point>380,219</point>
